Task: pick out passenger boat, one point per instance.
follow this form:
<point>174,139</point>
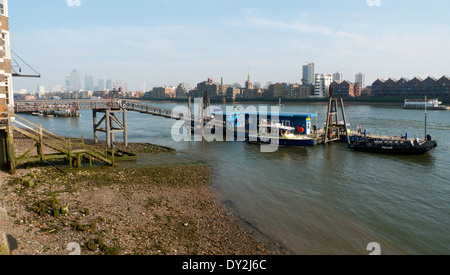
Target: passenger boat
<point>393,146</point>
<point>420,104</point>
<point>284,129</point>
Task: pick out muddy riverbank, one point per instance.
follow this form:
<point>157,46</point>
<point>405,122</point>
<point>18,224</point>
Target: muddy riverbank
<point>168,210</point>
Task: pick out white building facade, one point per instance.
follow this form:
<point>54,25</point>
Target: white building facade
<point>308,73</point>
<point>322,85</point>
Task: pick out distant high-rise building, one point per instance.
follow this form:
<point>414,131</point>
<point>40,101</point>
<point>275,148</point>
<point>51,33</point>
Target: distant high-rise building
<point>101,84</point>
<point>322,85</point>
<point>308,73</point>
<point>118,85</point>
<point>75,81</point>
<point>68,80</point>
<point>55,88</point>
<point>361,80</point>
<point>142,87</point>
<point>109,84</point>
<point>89,82</point>
<point>338,77</point>
<point>40,89</point>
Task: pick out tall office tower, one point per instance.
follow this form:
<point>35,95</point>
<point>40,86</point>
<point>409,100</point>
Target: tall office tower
<point>142,87</point>
<point>101,84</point>
<point>89,82</point>
<point>361,80</point>
<point>75,81</point>
<point>308,73</point>
<point>118,85</point>
<point>68,81</point>
<point>6,89</point>
<point>109,84</point>
<point>322,85</point>
<point>337,77</point>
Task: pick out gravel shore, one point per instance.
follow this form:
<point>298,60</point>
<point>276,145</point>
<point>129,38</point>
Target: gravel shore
<point>169,210</point>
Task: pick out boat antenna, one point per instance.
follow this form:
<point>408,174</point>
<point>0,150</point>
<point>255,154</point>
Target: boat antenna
<point>425,117</point>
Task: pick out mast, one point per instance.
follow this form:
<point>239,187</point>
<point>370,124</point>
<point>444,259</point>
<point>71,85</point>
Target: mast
<point>425,117</point>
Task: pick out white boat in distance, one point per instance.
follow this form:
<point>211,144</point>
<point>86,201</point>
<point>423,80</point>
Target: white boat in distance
<point>420,104</point>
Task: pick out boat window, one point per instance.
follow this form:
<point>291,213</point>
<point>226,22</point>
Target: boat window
<point>288,123</point>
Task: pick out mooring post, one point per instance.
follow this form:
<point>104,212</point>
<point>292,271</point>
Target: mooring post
<point>202,121</point>
<point>70,152</point>
<point>190,119</point>
<point>94,117</point>
<point>10,144</point>
<point>40,144</point>
<point>108,128</point>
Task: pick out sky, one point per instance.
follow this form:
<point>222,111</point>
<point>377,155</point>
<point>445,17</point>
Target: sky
<point>167,42</point>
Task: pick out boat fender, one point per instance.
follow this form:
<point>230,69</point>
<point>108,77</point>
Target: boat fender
<point>301,130</point>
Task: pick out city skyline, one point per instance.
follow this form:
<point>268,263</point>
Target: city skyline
<point>172,41</point>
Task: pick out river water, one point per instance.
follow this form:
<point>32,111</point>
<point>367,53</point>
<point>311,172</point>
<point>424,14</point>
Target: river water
<point>323,199</point>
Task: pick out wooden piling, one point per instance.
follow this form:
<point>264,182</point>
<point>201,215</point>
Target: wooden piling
<point>125,127</point>
<point>94,118</point>
<point>108,128</point>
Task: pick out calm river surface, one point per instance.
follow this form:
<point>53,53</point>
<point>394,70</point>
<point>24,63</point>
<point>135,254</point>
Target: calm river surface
<point>324,199</point>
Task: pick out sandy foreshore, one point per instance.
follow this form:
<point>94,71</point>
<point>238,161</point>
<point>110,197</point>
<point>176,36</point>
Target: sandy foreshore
<point>168,210</point>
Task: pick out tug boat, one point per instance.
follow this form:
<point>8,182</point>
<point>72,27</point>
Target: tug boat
<point>397,146</point>
<point>393,146</point>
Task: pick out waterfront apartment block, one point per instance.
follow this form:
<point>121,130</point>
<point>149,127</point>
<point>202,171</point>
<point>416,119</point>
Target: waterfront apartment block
<point>183,90</point>
<point>6,91</point>
<point>289,91</point>
<point>308,73</point>
<point>163,92</point>
<point>415,88</point>
<point>322,85</point>
<point>345,89</point>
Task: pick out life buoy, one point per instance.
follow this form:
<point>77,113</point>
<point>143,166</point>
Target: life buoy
<point>300,129</point>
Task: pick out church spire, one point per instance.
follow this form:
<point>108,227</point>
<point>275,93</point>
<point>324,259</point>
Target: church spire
<point>249,83</point>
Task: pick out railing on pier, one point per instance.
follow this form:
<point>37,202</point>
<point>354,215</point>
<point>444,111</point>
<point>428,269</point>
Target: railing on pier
<point>64,148</point>
<point>103,104</point>
<point>57,105</point>
<point>152,110</point>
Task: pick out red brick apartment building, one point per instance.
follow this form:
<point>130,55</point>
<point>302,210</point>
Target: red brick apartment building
<point>345,89</point>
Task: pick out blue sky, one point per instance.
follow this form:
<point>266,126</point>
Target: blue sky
<point>166,42</point>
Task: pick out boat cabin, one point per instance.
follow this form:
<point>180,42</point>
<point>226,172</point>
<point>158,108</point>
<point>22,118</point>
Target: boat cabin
<point>301,123</point>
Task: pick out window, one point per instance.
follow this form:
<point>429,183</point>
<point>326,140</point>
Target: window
<point>3,7</point>
<point>5,44</point>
